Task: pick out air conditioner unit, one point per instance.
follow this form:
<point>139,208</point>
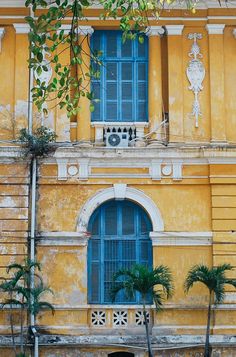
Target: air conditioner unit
<point>117,139</point>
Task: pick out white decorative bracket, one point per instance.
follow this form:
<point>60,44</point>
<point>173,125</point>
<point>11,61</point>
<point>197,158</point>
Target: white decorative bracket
<point>234,33</point>
<point>177,171</point>
<point>2,33</point>
<point>62,169</point>
<point>83,169</point>
<point>196,74</point>
<point>155,169</point>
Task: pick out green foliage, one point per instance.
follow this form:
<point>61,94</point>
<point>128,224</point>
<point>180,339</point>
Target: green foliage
<point>23,296</point>
<point>49,41</point>
<point>148,283</point>
<point>21,293</point>
<point>38,143</point>
<point>213,278</point>
<point>145,281</point>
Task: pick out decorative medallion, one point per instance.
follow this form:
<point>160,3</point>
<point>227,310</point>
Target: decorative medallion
<point>72,170</point>
<point>196,74</point>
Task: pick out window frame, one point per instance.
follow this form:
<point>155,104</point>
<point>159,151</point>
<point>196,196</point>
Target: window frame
<point>102,238</point>
<point>135,61</point>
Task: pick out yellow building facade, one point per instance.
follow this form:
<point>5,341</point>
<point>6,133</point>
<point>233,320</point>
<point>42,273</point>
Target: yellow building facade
<point>178,167</point>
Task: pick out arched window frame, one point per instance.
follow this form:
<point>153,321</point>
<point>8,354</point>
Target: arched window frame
<point>97,263</point>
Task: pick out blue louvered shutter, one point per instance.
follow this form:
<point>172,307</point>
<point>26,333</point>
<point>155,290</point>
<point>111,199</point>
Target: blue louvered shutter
<point>122,88</point>
<point>120,239</point>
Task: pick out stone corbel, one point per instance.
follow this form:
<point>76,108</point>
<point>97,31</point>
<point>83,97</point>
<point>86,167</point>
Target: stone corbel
<point>2,33</point>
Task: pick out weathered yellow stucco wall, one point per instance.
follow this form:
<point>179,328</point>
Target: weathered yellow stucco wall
<point>198,205</point>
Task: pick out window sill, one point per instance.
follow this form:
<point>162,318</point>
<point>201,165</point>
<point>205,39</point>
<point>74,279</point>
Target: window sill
<point>101,126</point>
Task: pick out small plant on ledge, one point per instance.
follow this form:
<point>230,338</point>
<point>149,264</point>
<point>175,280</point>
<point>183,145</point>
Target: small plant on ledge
<point>38,143</point>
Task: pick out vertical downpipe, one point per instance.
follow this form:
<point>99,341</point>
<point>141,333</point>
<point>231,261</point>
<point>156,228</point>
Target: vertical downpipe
<point>31,84</point>
<point>33,171</point>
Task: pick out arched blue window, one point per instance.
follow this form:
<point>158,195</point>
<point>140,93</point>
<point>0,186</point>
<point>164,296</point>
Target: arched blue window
<point>119,239</point>
<point>122,89</point>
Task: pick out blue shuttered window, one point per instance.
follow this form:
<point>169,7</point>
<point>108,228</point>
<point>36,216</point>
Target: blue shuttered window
<point>122,89</point>
<point>120,239</point>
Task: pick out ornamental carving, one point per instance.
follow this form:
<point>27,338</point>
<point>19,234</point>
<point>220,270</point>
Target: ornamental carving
<point>98,318</point>
<point>139,318</point>
<point>120,318</point>
<point>196,74</point>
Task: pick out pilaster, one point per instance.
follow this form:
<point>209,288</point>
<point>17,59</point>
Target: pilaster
<point>2,33</point>
<point>84,116</point>
<point>155,79</point>
<point>175,82</point>
<point>21,73</point>
<point>216,65</point>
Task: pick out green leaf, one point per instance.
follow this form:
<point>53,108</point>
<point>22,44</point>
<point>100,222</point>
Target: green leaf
<point>141,39</point>
<point>40,56</point>
<point>91,107</point>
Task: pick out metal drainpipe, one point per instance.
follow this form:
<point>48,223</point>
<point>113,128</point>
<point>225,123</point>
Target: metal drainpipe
<point>31,84</point>
<point>33,169</point>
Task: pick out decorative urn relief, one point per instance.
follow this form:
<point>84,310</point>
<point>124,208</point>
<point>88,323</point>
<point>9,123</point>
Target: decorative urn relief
<point>196,74</point>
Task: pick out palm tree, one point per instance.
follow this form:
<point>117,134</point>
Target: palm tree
<point>23,296</point>
<point>215,280</point>
<point>145,281</point>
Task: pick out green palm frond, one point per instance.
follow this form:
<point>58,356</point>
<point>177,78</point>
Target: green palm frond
<point>12,302</point>
<point>41,305</point>
<point>213,278</point>
<point>158,300</point>
<point>145,281</point>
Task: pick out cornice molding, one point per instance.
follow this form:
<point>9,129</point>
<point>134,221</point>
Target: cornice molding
<point>203,4</point>
<point>215,29</point>
<point>181,238</point>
